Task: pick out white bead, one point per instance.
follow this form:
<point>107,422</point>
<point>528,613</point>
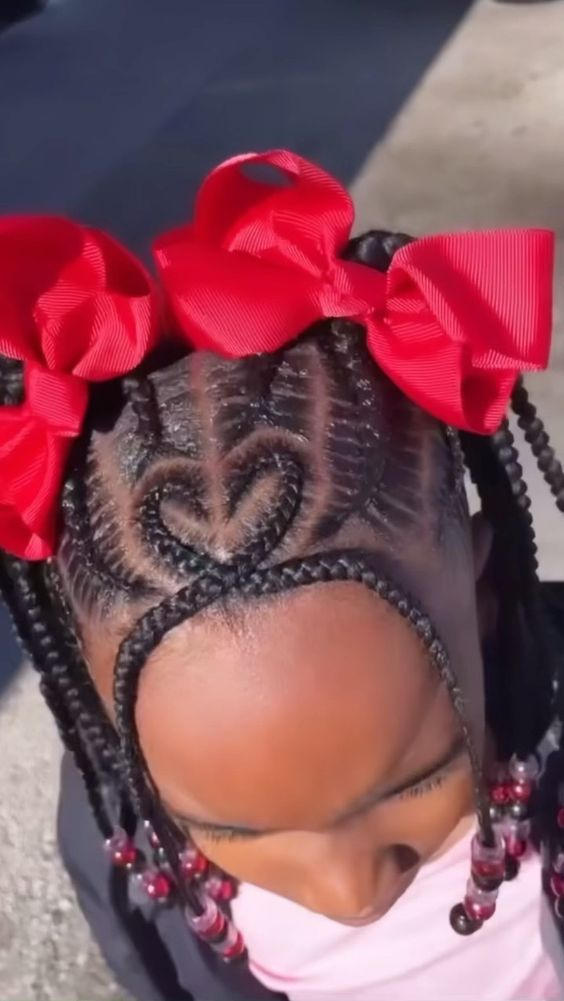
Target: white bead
<point>201,923</point>
<point>483,853</point>
<point>478,895</point>
<point>523,771</point>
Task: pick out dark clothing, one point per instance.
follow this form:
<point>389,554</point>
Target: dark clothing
<point>155,956</point>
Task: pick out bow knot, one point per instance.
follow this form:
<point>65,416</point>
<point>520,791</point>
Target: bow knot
<point>361,291</point>
<point>57,399</point>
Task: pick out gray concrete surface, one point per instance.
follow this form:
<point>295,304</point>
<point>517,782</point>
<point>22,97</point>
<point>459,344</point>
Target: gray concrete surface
<point>46,953</point>
<point>479,143</point>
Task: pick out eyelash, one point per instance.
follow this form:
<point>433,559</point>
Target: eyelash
<point>421,789</point>
<point>212,834</point>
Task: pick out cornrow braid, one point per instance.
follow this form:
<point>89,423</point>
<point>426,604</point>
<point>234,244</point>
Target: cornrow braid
<point>140,394</point>
<point>11,384</point>
<point>185,560</point>
<point>91,561</point>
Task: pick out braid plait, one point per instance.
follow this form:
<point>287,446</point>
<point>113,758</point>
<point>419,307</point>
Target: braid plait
<point>519,696</point>
<point>179,557</point>
<point>140,394</point>
<point>93,572</point>
<point>271,529</point>
<point>503,444</point>
<point>537,437</point>
<point>38,636</point>
<point>76,685</point>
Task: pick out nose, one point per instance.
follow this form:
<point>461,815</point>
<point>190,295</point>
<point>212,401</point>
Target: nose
<point>348,882</point>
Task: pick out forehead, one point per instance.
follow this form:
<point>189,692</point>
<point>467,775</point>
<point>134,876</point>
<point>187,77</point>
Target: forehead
<point>288,713</point>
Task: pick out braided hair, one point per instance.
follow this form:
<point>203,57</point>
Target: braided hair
<point>254,477</point>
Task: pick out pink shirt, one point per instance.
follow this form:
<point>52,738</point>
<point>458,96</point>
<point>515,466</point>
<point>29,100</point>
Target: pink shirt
<point>411,954</point>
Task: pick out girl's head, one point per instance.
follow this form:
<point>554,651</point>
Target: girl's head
<point>266,617</point>
<point>283,716</point>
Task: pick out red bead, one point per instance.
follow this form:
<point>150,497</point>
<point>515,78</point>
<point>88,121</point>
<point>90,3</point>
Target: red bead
<point>478,910</point>
<point>560,817</point>
<point>193,863</point>
<point>488,869</point>
<point>227,891</point>
<point>216,927</point>
<point>499,794</point>
<point>521,792</point>
<point>235,949</point>
<point>488,860</point>
<point>121,849</point>
<point>516,848</point>
<point>557,885</point>
<point>220,889</point>
<point>157,885</point>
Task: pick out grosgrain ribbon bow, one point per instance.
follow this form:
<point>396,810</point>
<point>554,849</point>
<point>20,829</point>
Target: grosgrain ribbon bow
<point>453,322</point>
<point>76,308</point>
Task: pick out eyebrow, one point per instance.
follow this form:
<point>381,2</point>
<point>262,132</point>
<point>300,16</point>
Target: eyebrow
<point>355,809</point>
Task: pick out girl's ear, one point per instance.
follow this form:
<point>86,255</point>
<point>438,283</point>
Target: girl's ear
<point>482,538</point>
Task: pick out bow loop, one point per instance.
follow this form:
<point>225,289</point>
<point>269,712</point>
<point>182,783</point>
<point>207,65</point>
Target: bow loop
<point>466,313</point>
<point>270,221</point>
<point>75,308</point>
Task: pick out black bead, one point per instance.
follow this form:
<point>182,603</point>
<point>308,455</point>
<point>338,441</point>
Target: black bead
<point>511,868</point>
<point>461,923</point>
<point>518,811</point>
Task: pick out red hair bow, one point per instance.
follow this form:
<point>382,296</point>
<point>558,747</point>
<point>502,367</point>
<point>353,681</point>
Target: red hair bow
<point>76,308</point>
<point>452,323</point>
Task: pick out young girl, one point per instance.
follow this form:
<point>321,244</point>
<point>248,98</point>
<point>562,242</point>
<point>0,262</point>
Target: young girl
<point>307,702</point>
